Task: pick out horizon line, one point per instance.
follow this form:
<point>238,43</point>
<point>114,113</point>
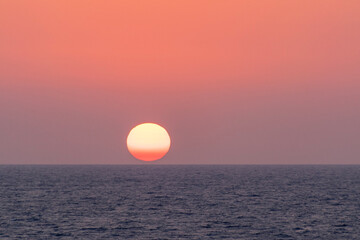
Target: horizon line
<point>213,164</point>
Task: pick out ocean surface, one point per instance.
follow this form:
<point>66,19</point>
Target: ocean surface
<point>180,202</point>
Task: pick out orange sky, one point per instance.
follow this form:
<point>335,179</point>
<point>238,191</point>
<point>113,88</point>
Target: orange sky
<point>105,42</point>
<point>220,73</point>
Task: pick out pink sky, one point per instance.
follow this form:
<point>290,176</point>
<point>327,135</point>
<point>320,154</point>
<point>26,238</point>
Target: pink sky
<point>233,82</point>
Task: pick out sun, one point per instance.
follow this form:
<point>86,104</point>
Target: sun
<point>148,142</point>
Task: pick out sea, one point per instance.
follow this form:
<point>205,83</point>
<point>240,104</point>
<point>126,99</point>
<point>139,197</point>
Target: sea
<point>180,202</point>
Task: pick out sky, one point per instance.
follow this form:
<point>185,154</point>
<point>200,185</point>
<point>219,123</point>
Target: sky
<point>233,82</point>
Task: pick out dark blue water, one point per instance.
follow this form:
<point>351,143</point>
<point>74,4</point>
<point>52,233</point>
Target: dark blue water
<point>180,202</point>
